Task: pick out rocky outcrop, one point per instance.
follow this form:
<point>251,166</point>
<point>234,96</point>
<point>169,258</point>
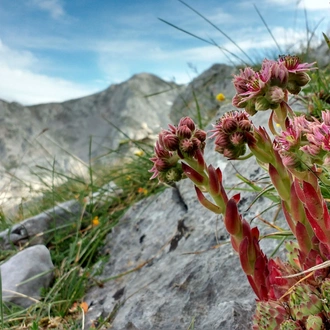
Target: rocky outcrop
<point>201,94</point>
<point>137,107</point>
<point>62,136</point>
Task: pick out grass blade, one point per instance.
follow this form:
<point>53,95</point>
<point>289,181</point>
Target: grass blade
<point>212,42</point>
<point>326,39</point>
<point>218,29</point>
<point>268,29</point>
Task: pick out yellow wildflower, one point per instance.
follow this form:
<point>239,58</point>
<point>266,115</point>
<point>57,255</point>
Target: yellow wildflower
<point>142,191</point>
<point>96,221</point>
<point>138,152</point>
<point>220,97</point>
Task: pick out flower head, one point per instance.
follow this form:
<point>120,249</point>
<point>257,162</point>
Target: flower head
<point>232,133</point>
<point>95,221</point>
<point>244,79</point>
<point>175,143</point>
<point>248,85</point>
<point>274,73</point>
<point>163,160</point>
<point>293,65</point>
<point>143,191</point>
<point>290,144</point>
<point>269,88</point>
<point>220,97</point>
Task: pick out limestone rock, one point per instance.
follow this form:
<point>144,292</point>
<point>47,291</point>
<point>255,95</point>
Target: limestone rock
<point>40,228</point>
<point>57,136</point>
<point>33,262</point>
<point>204,88</point>
<point>185,271</point>
<point>184,279</point>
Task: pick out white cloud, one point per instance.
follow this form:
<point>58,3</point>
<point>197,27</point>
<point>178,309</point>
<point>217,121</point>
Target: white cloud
<point>29,88</point>
<point>308,4</point>
<point>115,71</point>
<point>53,7</point>
<point>218,16</point>
<point>177,77</point>
<point>21,59</point>
<point>314,4</point>
<point>21,82</point>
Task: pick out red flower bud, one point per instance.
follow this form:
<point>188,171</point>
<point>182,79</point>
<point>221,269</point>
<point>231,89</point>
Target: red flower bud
<point>237,102</point>
<point>237,139</point>
<point>222,140</point>
<point>184,132</point>
<point>275,95</point>
<point>245,125</point>
<point>301,78</point>
<point>171,142</point>
<point>229,153</point>
<point>187,147</point>
<point>161,165</point>
<point>187,121</point>
<point>229,125</point>
<point>200,135</point>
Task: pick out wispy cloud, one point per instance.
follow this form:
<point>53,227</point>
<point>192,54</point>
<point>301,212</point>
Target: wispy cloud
<point>21,82</point>
<point>303,4</point>
<point>28,88</point>
<point>53,7</point>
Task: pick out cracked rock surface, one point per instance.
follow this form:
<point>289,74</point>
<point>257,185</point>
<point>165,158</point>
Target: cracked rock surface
<point>179,283</point>
<point>184,270</point>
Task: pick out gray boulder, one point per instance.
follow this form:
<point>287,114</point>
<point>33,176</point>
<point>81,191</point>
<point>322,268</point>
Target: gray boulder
<point>25,274</point>
<point>171,264</point>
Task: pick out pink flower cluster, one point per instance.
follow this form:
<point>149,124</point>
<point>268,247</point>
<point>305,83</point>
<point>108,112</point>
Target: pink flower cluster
<point>232,132</point>
<point>305,143</point>
<point>269,88</point>
<point>174,144</point>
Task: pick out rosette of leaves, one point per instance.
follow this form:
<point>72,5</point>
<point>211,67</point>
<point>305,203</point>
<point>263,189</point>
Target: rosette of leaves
<point>305,307</point>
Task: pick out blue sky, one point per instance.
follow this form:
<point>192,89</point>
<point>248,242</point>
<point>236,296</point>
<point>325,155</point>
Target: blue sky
<point>55,50</point>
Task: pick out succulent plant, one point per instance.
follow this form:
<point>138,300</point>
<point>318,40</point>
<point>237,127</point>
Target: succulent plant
<point>314,322</point>
<point>290,325</point>
<point>296,160</point>
<point>305,300</point>
<point>269,315</point>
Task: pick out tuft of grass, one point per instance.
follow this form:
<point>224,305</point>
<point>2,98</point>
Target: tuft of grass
<point>76,248</point>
